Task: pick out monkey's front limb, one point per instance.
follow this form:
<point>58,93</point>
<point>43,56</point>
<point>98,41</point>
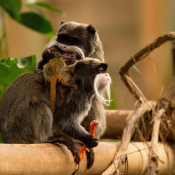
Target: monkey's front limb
<point>90,153</point>
<point>72,128</point>
<point>92,132</point>
<point>97,112</point>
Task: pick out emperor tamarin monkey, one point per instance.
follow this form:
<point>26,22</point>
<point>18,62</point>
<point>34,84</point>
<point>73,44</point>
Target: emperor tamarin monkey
<point>54,71</point>
<point>25,115</point>
<point>74,40</point>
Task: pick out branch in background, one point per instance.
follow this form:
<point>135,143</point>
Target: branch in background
<point>162,105</point>
<point>124,70</point>
<point>146,106</point>
<point>152,168</point>
<point>126,137</point>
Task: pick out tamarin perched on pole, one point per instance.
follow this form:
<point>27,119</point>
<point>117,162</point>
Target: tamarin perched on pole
<point>76,41</point>
<point>26,117</point>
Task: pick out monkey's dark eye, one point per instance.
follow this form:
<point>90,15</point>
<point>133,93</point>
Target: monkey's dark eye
<point>102,68</point>
<point>64,38</point>
<point>69,41</point>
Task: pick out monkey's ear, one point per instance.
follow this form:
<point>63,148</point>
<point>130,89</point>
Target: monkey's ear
<point>91,29</point>
<point>75,66</point>
<point>62,22</point>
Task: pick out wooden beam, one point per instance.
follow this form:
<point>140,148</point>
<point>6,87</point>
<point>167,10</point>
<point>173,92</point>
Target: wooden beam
<point>31,159</point>
<point>36,159</point>
<point>116,122</point>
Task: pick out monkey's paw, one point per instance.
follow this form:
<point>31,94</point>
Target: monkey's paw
<point>90,141</point>
<point>71,145</point>
<point>75,152</point>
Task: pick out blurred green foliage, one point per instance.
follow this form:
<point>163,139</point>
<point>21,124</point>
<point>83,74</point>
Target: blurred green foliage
<point>34,18</point>
<point>113,103</point>
<point>10,69</point>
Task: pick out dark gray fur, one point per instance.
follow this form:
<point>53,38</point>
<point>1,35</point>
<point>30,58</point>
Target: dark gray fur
<point>85,37</point>
<point>25,115</point>
<point>77,34</point>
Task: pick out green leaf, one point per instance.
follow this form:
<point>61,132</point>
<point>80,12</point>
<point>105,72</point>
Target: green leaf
<point>35,9</point>
<point>2,90</point>
<point>27,63</point>
<point>2,59</point>
<point>10,69</point>
<point>36,22</point>
<point>50,35</point>
<point>12,7</point>
<point>46,5</point>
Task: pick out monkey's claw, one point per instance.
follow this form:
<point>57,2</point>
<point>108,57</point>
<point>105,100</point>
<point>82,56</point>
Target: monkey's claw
<point>90,158</point>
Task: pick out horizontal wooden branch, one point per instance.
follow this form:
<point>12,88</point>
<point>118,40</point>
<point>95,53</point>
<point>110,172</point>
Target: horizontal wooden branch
<point>147,50</point>
<point>49,159</point>
<point>115,124</point>
<point>37,159</point>
<point>162,105</point>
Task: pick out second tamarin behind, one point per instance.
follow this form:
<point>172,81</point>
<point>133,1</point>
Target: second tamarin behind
<point>75,41</point>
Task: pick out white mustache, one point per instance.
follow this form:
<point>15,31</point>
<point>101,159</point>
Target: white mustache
<point>100,92</point>
<point>70,48</point>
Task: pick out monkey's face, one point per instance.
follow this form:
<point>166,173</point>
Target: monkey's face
<point>91,75</point>
<point>76,40</point>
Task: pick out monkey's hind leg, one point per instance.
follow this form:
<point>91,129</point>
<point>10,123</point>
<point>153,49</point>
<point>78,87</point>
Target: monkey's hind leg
<point>71,145</point>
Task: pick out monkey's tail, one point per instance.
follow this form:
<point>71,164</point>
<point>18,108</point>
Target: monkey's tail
<point>53,83</point>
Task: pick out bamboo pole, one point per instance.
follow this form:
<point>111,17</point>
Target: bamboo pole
<point>31,159</point>
<point>115,124</point>
<point>49,159</point>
